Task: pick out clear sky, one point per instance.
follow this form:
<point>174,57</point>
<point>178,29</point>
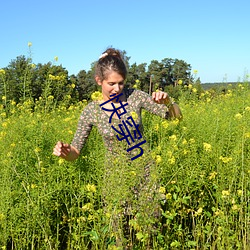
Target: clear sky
<point>213,36</point>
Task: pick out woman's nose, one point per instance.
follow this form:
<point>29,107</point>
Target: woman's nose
<point>116,87</point>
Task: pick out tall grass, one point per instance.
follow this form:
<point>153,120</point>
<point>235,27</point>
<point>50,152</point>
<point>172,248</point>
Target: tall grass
<point>203,164</point>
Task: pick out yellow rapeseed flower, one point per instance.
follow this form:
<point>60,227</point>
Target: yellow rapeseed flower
<point>156,127</point>
<point>239,192</point>
<point>247,135</point>
<point>212,175</point>
<point>238,116</point>
<point>162,190</point>
<point>184,141</point>
<point>91,188</point>
<point>207,147</point>
<point>198,212</point>
<point>171,160</point>
<point>180,82</point>
<point>29,44</point>
<point>168,196</point>
<point>225,159</point>
<point>195,71</point>
<point>158,159</point>
<point>173,137</point>
<point>194,90</point>
<point>235,207</point>
<point>2,72</point>
<point>225,193</point>
<point>134,115</point>
<point>87,207</point>
<point>164,124</point>
<point>56,58</point>
<point>191,140</point>
<point>96,96</point>
<point>2,217</point>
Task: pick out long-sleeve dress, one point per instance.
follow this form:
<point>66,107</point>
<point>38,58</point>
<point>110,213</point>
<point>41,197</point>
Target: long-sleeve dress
<point>129,183</point>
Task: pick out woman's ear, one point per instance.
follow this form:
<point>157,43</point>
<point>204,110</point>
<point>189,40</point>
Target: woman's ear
<point>98,80</point>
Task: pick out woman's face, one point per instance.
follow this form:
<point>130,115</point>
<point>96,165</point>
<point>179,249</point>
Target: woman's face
<point>113,84</point>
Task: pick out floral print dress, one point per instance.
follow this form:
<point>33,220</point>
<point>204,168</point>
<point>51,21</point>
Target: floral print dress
<point>137,192</point>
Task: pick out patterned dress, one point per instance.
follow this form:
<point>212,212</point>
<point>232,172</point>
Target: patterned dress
<point>130,184</point>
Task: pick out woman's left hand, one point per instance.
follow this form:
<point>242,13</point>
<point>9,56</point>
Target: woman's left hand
<point>161,97</point>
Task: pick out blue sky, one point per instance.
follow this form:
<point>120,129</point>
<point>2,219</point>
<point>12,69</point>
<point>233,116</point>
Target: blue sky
<point>212,36</point>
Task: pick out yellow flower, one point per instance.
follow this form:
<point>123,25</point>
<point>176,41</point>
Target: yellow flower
<point>37,149</point>
<point>168,196</point>
<point>2,217</point>
<point>191,140</point>
<point>29,44</point>
<point>198,212</point>
<point>247,135</point>
<point>207,147</point>
<point>212,175</point>
<point>180,82</point>
<point>96,96</point>
<point>91,188</point>
<point>246,108</point>
<point>134,115</point>
<point>164,124</point>
<point>235,207</point>
<point>51,77</point>
<point>225,159</point>
<point>87,207</point>
<point>184,141</point>
<point>190,86</point>
<point>238,116</point>
<point>239,192</point>
<point>171,160</point>
<point>137,80</point>
<point>158,159</point>
<point>225,193</point>
<point>173,137</point>
<point>156,127</point>
<point>3,97</point>
<point>135,86</point>
<point>50,97</point>
<point>61,161</point>
<point>194,90</point>
<point>73,85</point>
<point>162,190</point>
<point>195,71</point>
<point>2,72</point>
<point>56,58</point>
<point>5,124</point>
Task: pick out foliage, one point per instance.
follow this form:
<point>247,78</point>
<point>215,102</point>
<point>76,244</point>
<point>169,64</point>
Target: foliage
<point>203,164</point>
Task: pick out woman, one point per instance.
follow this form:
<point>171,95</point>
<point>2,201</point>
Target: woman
<point>118,119</point>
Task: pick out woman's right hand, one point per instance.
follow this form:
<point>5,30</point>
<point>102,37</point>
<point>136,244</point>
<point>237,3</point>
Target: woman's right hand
<point>66,151</point>
<point>62,149</point>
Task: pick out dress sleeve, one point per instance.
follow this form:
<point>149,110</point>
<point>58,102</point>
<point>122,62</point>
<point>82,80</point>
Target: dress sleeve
<point>84,127</point>
<point>147,103</point>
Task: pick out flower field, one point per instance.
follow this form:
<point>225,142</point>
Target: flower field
<point>203,163</point>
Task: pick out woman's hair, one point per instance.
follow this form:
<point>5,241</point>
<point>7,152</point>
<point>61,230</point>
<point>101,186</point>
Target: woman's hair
<point>110,60</point>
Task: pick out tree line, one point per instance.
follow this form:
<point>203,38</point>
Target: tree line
<point>22,79</point>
